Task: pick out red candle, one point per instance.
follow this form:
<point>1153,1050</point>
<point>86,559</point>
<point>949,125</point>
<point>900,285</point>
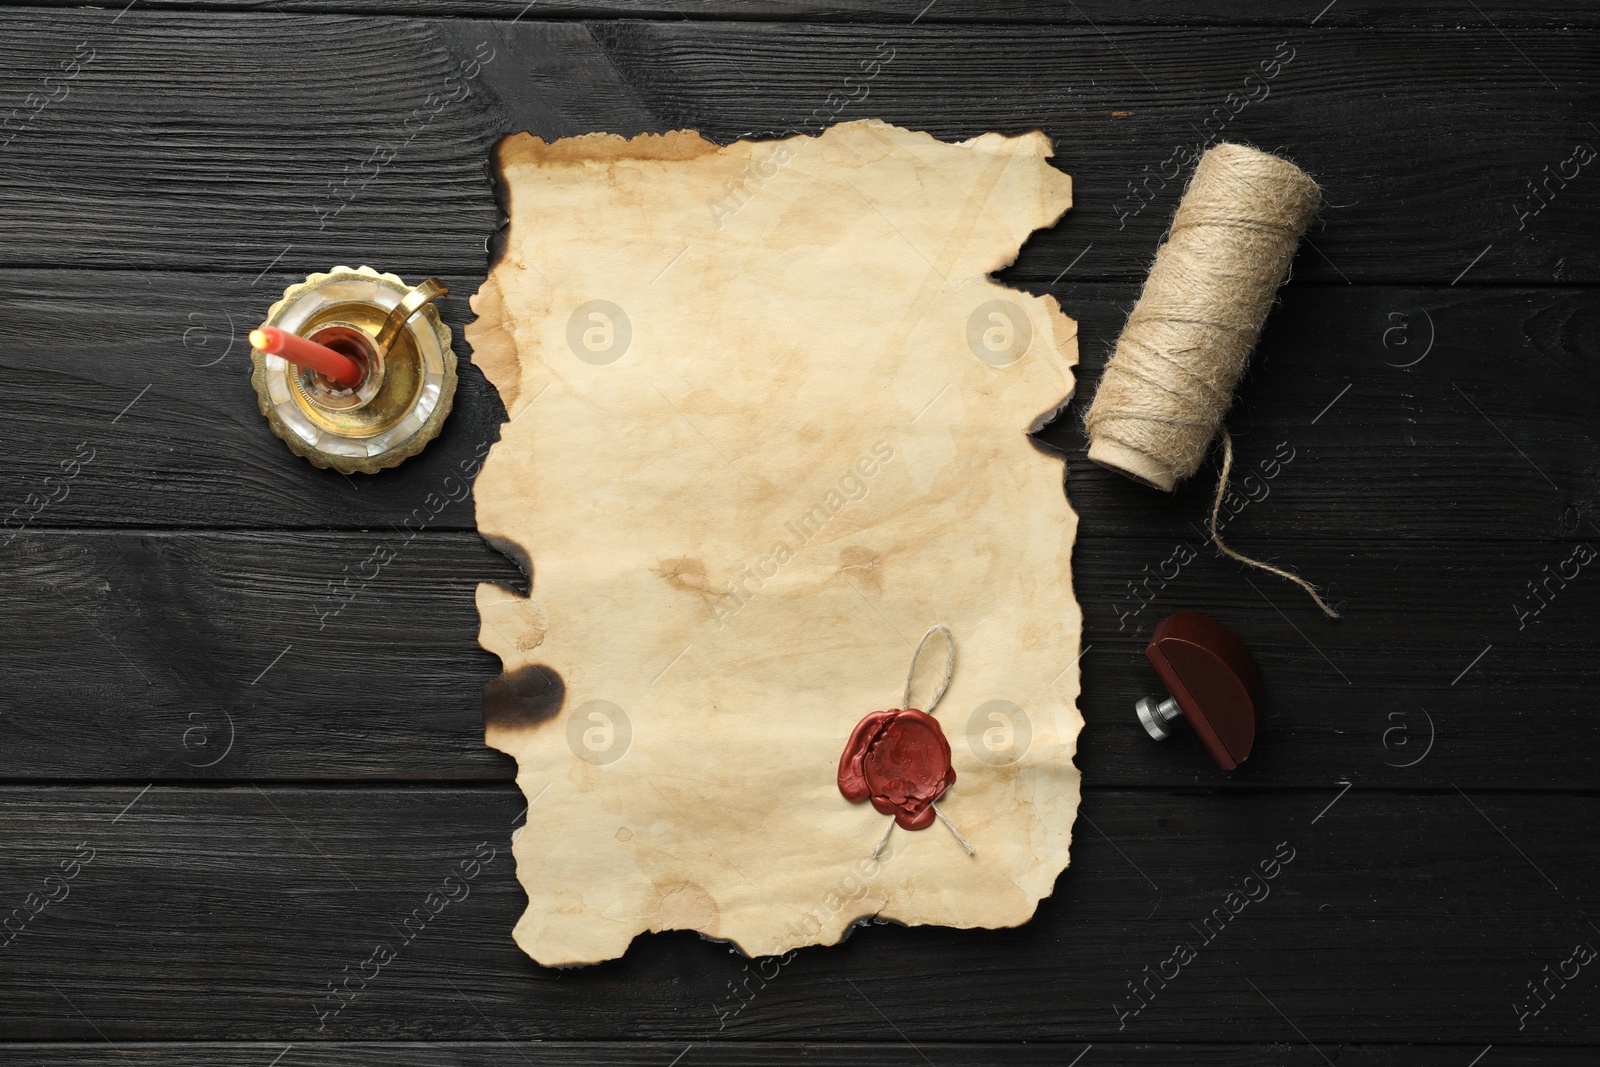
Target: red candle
<point>336,366</point>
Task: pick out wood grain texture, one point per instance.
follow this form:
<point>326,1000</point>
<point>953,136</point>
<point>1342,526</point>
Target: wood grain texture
<point>170,643</point>
<point>227,169</point>
<point>223,914</point>
<point>310,787</point>
<point>1506,14</point>
<point>1485,431</point>
<point>718,1053</point>
<point>165,647</point>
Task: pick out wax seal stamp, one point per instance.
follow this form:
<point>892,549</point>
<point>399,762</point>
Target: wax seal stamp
<point>353,369</point>
<point>900,761</point>
<point>1215,685</point>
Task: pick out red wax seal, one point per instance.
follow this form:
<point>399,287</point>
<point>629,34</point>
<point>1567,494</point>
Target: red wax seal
<point>899,760</point>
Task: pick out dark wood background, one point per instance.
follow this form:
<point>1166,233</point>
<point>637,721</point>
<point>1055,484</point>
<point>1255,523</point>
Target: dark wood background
<point>264,800</point>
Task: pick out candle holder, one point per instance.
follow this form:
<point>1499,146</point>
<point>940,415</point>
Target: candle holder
<point>408,380</point>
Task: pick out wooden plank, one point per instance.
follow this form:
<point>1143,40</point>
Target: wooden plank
<point>1487,435</point>
<point>192,449</point>
<point>208,656</point>
<point>141,211</point>
<point>1444,14</point>
<point>1415,918</point>
<point>713,1052</point>
<point>1426,140</point>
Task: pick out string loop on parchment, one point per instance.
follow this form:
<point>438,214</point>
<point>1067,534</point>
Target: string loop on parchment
<point>949,668</point>
<point>938,694</point>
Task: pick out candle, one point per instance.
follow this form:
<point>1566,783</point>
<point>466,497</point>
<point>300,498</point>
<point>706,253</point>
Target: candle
<point>336,366</point>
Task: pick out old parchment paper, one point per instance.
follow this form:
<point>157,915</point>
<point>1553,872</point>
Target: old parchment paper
<point>767,426</point>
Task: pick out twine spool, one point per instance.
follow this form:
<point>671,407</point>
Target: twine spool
<point>1186,343</point>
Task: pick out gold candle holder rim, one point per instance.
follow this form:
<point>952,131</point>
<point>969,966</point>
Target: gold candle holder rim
<point>405,343</point>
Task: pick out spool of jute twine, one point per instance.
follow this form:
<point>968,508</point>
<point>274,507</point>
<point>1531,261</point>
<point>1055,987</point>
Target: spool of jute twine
<point>1186,343</point>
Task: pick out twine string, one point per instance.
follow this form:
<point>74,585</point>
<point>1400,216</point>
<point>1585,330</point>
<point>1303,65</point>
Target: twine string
<point>905,702</point>
<point>952,827</point>
<point>1216,538</point>
<point>949,668</point>
<point>1188,340</point>
<point>884,840</point>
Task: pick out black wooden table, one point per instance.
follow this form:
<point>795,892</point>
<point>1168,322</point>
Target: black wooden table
<point>215,804</point>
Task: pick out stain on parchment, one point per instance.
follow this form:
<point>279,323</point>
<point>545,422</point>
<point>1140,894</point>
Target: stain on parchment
<point>687,906</point>
<point>862,566</point>
<point>688,575</point>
